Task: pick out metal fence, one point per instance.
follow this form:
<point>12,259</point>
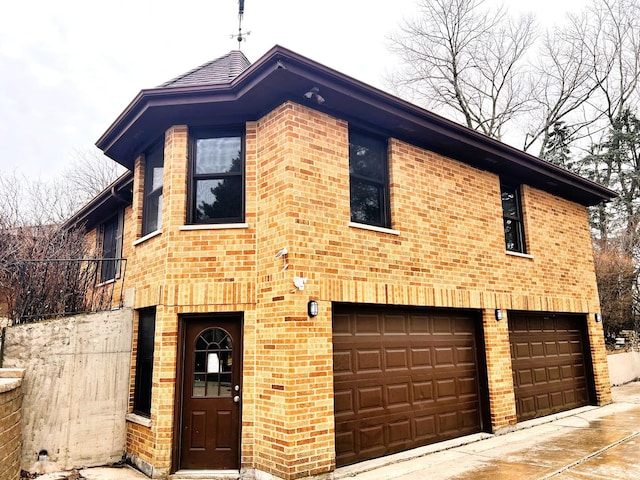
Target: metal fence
<point>42,289</point>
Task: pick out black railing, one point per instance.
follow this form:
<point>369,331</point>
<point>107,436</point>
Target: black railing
<point>42,289</point>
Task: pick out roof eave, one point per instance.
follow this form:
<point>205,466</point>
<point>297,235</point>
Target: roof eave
<point>395,116</point>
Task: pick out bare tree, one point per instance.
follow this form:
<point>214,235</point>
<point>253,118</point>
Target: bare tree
<point>612,38</point>
<point>562,87</point>
<point>90,172</point>
<point>467,59</point>
<point>35,202</point>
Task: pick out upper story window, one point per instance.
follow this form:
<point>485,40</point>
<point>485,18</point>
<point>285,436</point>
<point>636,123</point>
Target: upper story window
<point>217,177</point>
<point>513,220</point>
<point>111,239</point>
<point>153,173</point>
<point>369,180</point>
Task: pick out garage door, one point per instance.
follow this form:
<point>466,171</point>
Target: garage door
<point>402,379</point>
<point>548,361</point>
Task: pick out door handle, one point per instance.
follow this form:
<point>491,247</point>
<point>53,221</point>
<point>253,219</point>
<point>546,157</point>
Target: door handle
<point>236,399</point>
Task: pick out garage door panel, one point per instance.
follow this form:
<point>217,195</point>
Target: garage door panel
<point>346,442</point>
<point>367,325</point>
<point>420,356</point>
<point>521,350</point>
<point>525,377</point>
<point>468,386</point>
<point>396,358</point>
<point>445,388</point>
<point>553,374</point>
<point>576,348</point>
<point>342,362</point>
<point>411,384</point>
<point>423,391</point>
<point>370,398</point>
<point>419,324</point>
<point>465,356</point>
<point>399,432</point>
<point>543,402</point>
<point>425,428</point>
<point>343,402</point>
<point>398,394</point>
<point>444,356</point>
<point>395,324</point>
<point>548,379</point>
<point>444,326</point>
<point>371,439</point>
<point>568,396</point>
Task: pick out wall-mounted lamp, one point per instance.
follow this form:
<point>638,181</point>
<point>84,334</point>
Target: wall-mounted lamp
<point>499,314</point>
<point>312,308</point>
<point>598,317</point>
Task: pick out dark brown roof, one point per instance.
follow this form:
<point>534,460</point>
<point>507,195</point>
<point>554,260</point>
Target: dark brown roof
<point>281,75</point>
<point>219,71</point>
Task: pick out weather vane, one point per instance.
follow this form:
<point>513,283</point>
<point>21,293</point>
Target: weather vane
<point>240,36</point>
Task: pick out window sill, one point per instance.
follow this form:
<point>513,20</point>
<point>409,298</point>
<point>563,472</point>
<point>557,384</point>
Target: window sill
<point>106,282</point>
<point>139,419</point>
<point>214,226</point>
<point>373,228</point>
<point>518,254</point>
<point>147,237</point>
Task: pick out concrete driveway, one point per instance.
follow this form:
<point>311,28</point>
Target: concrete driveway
<point>589,443</point>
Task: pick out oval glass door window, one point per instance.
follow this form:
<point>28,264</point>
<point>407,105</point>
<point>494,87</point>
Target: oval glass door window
<point>213,354</point>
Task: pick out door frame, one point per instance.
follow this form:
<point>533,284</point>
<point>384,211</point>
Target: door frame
<point>183,319</point>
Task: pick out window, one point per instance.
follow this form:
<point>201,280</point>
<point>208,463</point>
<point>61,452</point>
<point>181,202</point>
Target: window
<point>153,173</point>
<point>512,215</point>
<point>111,238</point>
<point>144,362</point>
<point>217,177</point>
<point>369,180</point>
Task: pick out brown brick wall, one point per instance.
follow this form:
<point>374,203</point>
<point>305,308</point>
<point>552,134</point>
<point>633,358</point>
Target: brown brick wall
<point>10,423</point>
<point>448,252</point>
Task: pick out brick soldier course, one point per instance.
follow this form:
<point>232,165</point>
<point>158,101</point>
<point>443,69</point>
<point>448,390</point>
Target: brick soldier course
<point>445,248</point>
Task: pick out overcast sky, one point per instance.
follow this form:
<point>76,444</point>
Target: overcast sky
<point>69,67</point>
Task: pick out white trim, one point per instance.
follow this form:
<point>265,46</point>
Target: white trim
<point>147,237</point>
<point>518,254</point>
<point>373,228</point>
<point>139,419</point>
<point>213,226</point>
<point>106,282</point>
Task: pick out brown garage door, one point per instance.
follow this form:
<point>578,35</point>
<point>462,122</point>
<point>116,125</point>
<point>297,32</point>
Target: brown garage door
<point>402,379</point>
<point>548,362</point>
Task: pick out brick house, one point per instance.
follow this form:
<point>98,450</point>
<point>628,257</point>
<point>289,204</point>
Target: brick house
<point>323,273</point>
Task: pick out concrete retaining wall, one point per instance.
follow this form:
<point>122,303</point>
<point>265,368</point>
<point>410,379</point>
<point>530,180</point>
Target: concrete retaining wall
<point>624,367</point>
<point>10,422</point>
<point>76,387</point>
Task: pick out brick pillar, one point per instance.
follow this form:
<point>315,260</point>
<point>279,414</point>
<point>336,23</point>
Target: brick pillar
<point>598,354</point>
<point>10,421</point>
<point>294,431</point>
<point>500,379</point>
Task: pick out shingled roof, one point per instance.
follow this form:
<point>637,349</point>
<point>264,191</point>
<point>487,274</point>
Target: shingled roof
<point>221,70</point>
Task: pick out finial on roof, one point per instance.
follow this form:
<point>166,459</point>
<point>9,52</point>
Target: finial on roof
<point>240,36</point>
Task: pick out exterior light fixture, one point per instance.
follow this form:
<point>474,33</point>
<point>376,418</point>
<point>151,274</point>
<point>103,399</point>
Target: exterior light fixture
<point>598,317</point>
<point>499,314</point>
<point>312,308</point>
